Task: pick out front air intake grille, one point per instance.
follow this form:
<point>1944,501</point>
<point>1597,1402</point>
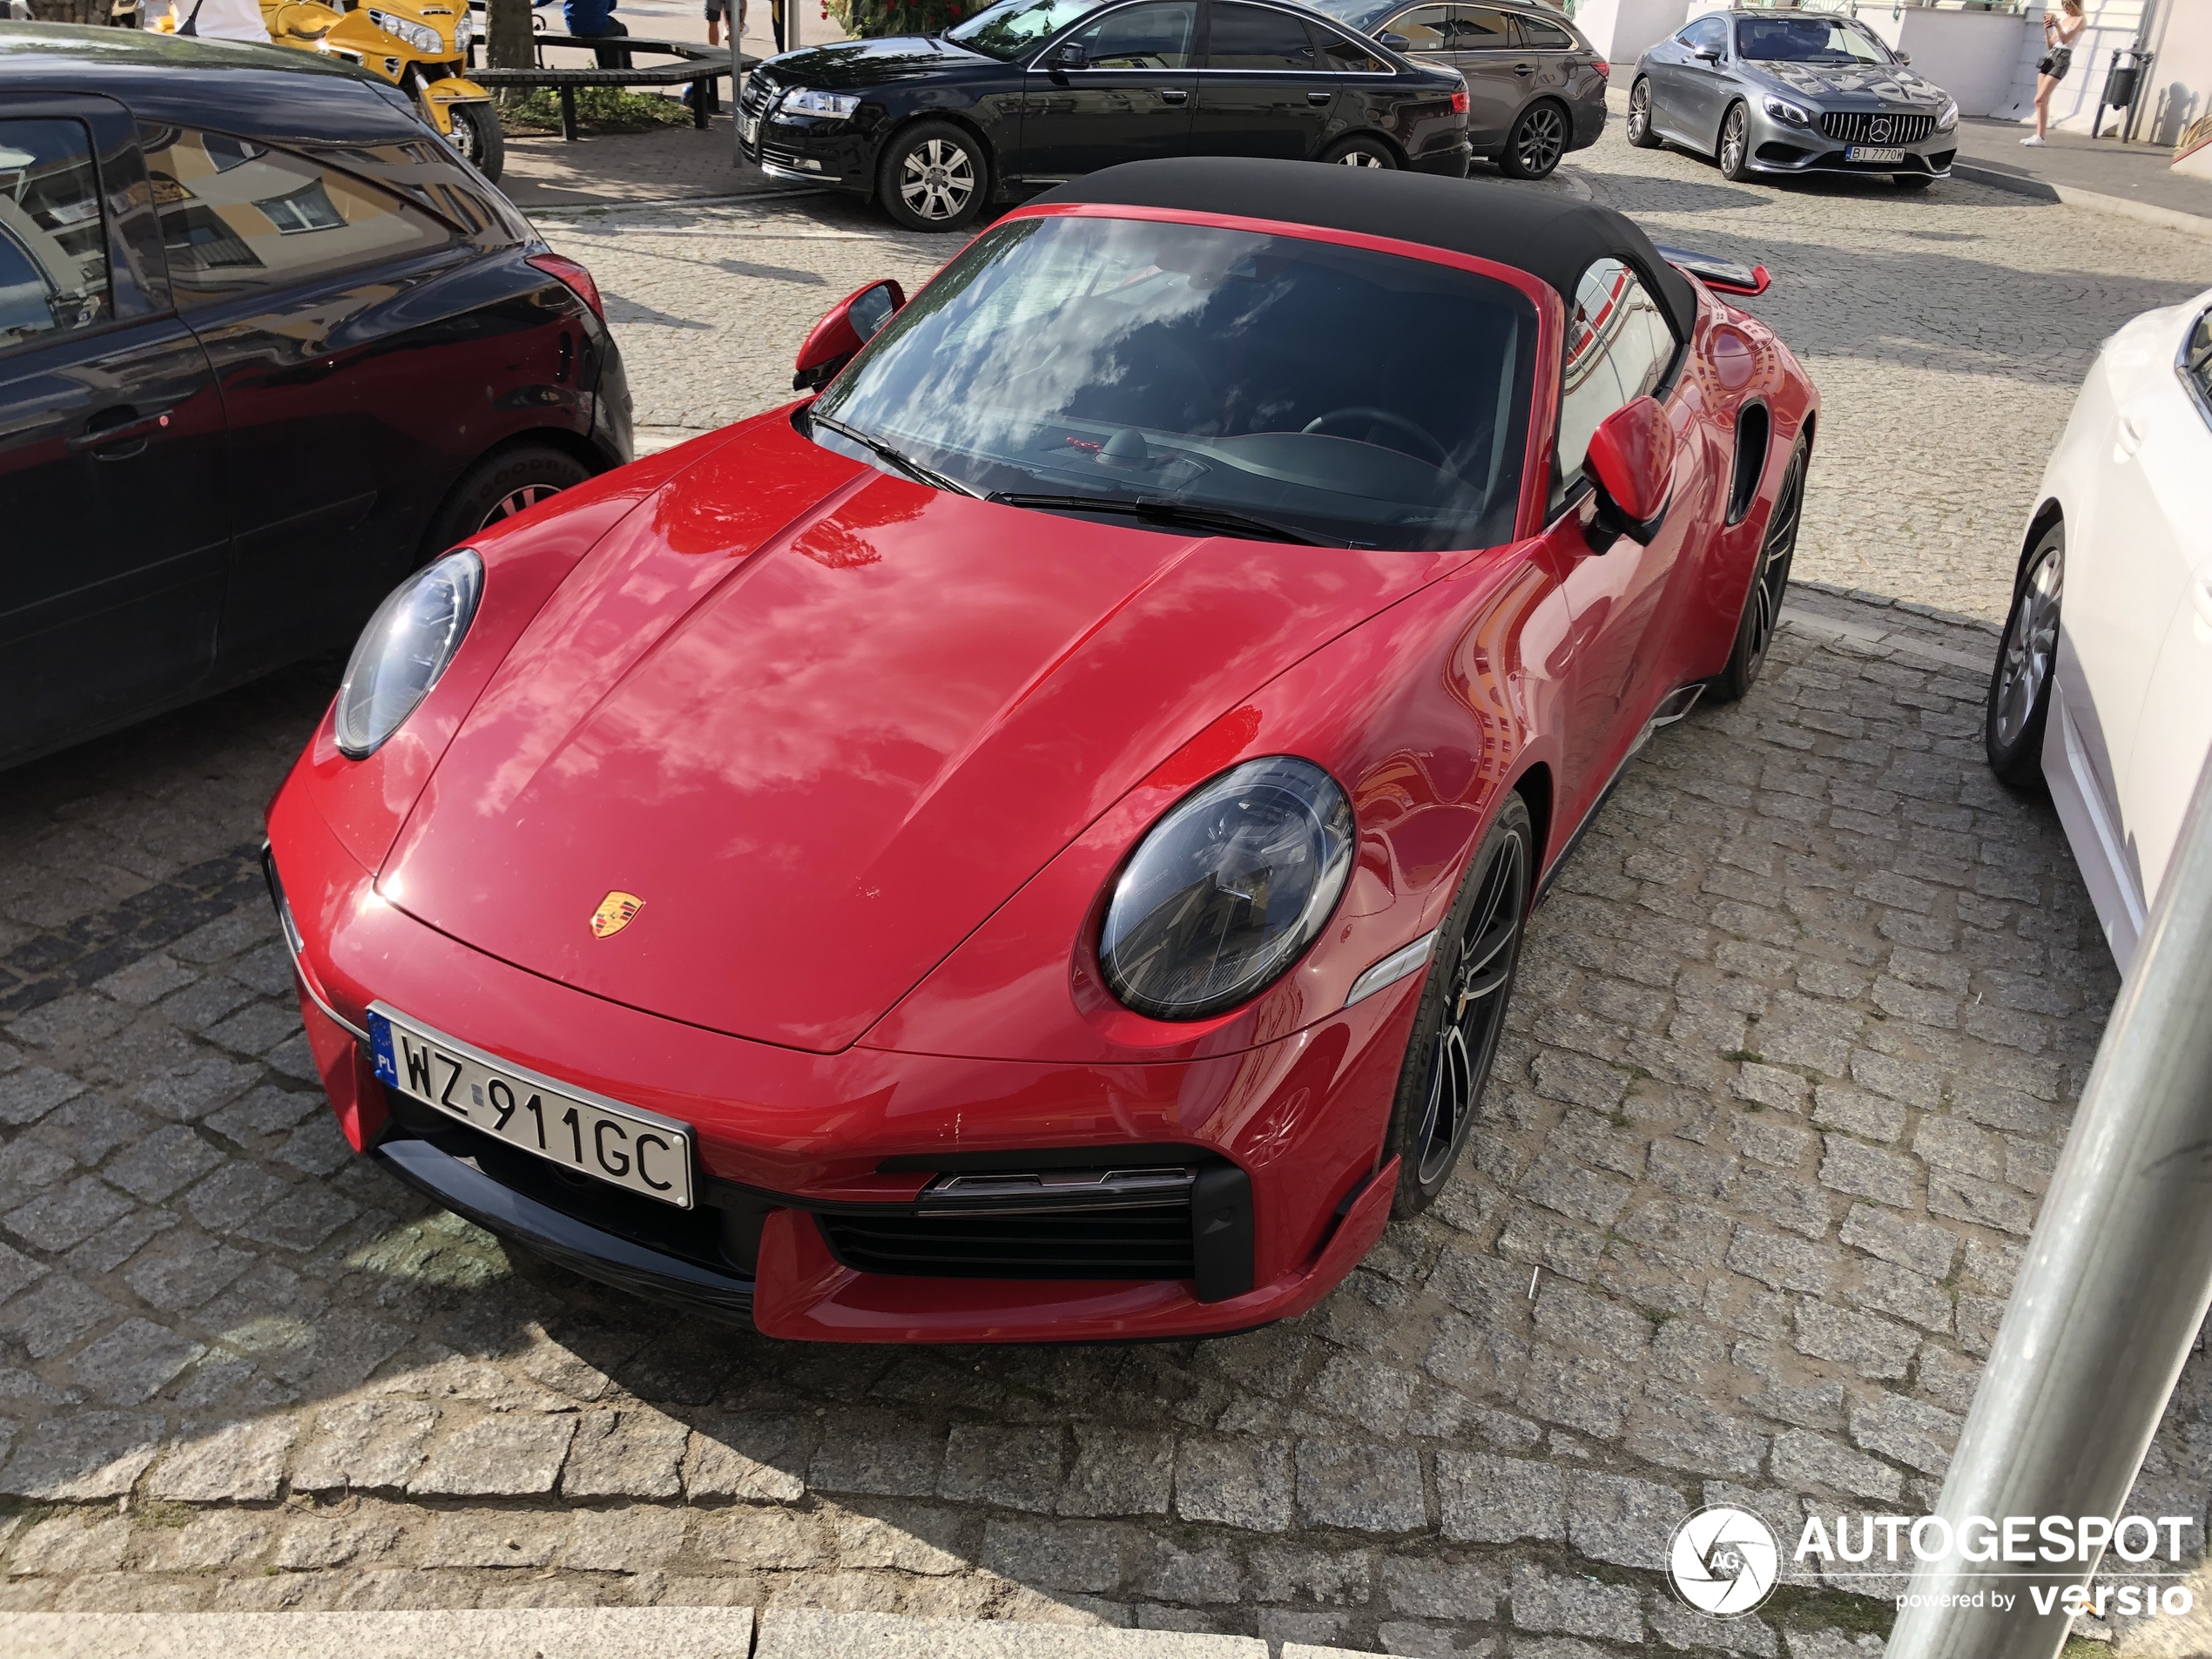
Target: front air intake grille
<point>1123,1243</point>
<point>1876,127</point>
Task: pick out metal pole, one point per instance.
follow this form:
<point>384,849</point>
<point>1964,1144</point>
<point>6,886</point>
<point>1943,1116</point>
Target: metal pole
<point>2110,1298</point>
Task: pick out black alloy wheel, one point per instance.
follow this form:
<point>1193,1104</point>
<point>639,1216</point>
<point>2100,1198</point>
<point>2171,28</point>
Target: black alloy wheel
<point>1640,132</point>
<point>934,177</point>
<point>1462,1011</point>
<point>1770,580</point>
<point>502,484</point>
<point>1362,151</point>
<point>1538,140</point>
<point>477,137</point>
<point>1736,143</point>
<point>2019,685</point>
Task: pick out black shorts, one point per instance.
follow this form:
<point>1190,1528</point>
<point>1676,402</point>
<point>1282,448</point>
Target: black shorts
<point>2056,63</point>
<point>717,10</point>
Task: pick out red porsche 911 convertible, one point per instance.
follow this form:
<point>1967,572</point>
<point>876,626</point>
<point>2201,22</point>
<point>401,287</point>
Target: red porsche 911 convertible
<point>1033,842</point>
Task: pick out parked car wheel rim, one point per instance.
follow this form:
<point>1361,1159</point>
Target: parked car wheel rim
<point>1775,552</point>
<point>1732,140</point>
<point>2031,646</point>
<point>1639,110</point>
<point>1543,135</point>
<point>1361,158</point>
<point>518,501</point>
<point>1481,966</point>
<point>937,178</point>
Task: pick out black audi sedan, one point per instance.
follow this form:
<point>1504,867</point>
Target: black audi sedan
<point>1535,86</point>
<point>1031,93</point>
<point>266,344</point>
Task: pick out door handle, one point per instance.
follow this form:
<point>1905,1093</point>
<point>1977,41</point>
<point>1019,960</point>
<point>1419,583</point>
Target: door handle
<point>1524,69</point>
<point>2129,438</point>
<point>119,440</point>
<point>1173,95</point>
<point>1319,97</point>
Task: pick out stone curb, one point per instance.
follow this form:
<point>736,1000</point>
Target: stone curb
<point>1871,640</point>
<point>599,1633</point>
<point>518,1632</point>
<point>2094,201</point>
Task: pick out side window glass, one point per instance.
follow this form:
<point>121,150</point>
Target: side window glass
<point>1707,34</point>
<point>1254,38</point>
<point>53,240</point>
<point>1345,57</point>
<point>1156,37</point>
<point>239,216</point>
<point>2196,363</point>
<point>1474,30</point>
<point>1539,36</point>
<point>1618,348</point>
<point>1428,27</point>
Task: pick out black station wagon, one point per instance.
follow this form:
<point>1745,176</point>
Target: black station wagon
<point>1031,93</point>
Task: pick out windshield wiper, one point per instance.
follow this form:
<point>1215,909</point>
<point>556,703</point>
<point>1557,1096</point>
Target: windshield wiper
<point>1218,519</point>
<point>904,462</point>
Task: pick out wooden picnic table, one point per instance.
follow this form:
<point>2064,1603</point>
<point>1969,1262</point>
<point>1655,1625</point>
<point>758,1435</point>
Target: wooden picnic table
<point>695,64</point>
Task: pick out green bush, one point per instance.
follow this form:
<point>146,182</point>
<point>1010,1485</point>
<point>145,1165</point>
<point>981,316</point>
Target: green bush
<point>599,109</point>
<point>870,18</point>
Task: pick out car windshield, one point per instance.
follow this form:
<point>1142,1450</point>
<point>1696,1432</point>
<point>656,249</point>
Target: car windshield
<point>1806,40</point>
<point>1329,394</point>
<point>1007,29</point>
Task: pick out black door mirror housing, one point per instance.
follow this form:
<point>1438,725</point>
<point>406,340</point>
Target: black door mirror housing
<point>1396,42</point>
<point>1070,54</point>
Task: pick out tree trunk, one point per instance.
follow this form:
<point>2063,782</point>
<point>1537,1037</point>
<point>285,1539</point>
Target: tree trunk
<point>507,34</point>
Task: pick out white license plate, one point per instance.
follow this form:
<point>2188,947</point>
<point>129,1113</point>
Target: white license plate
<point>1869,152</point>
<point>752,128</point>
<point>638,1151</point>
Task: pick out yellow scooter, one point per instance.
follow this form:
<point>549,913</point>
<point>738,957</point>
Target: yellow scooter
<point>419,47</point>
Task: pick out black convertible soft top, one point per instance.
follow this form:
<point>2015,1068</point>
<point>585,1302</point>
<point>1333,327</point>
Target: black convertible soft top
<point>1551,238</point>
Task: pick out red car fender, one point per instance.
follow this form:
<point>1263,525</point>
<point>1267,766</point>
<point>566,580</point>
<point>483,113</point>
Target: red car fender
<point>1427,713</point>
<point>526,558</point>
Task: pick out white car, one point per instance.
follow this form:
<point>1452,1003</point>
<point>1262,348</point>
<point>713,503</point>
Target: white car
<point>2103,685</point>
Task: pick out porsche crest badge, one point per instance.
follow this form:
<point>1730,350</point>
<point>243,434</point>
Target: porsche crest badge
<point>616,911</point>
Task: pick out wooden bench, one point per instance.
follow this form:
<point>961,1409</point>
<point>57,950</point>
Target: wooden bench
<point>696,66</point>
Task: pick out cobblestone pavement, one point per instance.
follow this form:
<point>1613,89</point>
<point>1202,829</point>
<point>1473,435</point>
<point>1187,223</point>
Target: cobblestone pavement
<point>1798,1039</point>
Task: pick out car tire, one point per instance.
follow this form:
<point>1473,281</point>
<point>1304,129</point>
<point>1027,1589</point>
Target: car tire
<point>2019,685</point>
<point>1641,133</point>
<point>1539,138</point>
<point>477,137</point>
<point>1461,1014</point>
<point>503,483</point>
<point>1911,180</point>
<point>1362,149</point>
<point>934,177</point>
<point>1735,152</point>
<point>1770,581</point>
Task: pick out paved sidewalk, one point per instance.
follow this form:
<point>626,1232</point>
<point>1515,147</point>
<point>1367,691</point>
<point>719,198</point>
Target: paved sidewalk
<point>2102,174</point>
<point>671,163</point>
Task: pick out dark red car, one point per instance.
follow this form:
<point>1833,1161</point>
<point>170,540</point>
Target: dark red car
<point>1033,843</point>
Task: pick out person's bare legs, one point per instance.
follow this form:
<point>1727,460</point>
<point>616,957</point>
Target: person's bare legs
<point>2044,85</point>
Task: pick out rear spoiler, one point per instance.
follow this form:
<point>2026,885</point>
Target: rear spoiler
<point>1722,276</point>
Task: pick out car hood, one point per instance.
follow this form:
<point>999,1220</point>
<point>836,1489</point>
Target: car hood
<point>855,64</point>
<point>822,722</point>
<point>1891,82</point>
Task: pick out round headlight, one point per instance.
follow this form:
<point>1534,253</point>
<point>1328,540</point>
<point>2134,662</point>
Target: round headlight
<point>1228,890</point>
<point>404,649</point>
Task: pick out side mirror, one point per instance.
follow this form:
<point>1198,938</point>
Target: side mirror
<point>1631,459</point>
<point>849,325</point>
<point>1711,54</point>
<point>1396,42</point>
<point>1068,54</point>
<point>1904,57</point>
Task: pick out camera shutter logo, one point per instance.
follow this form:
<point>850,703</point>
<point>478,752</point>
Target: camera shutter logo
<point>1723,1562</point>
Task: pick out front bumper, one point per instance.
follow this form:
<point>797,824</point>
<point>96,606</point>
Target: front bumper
<point>808,1163</point>
<point>1779,149</point>
<point>806,149</point>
